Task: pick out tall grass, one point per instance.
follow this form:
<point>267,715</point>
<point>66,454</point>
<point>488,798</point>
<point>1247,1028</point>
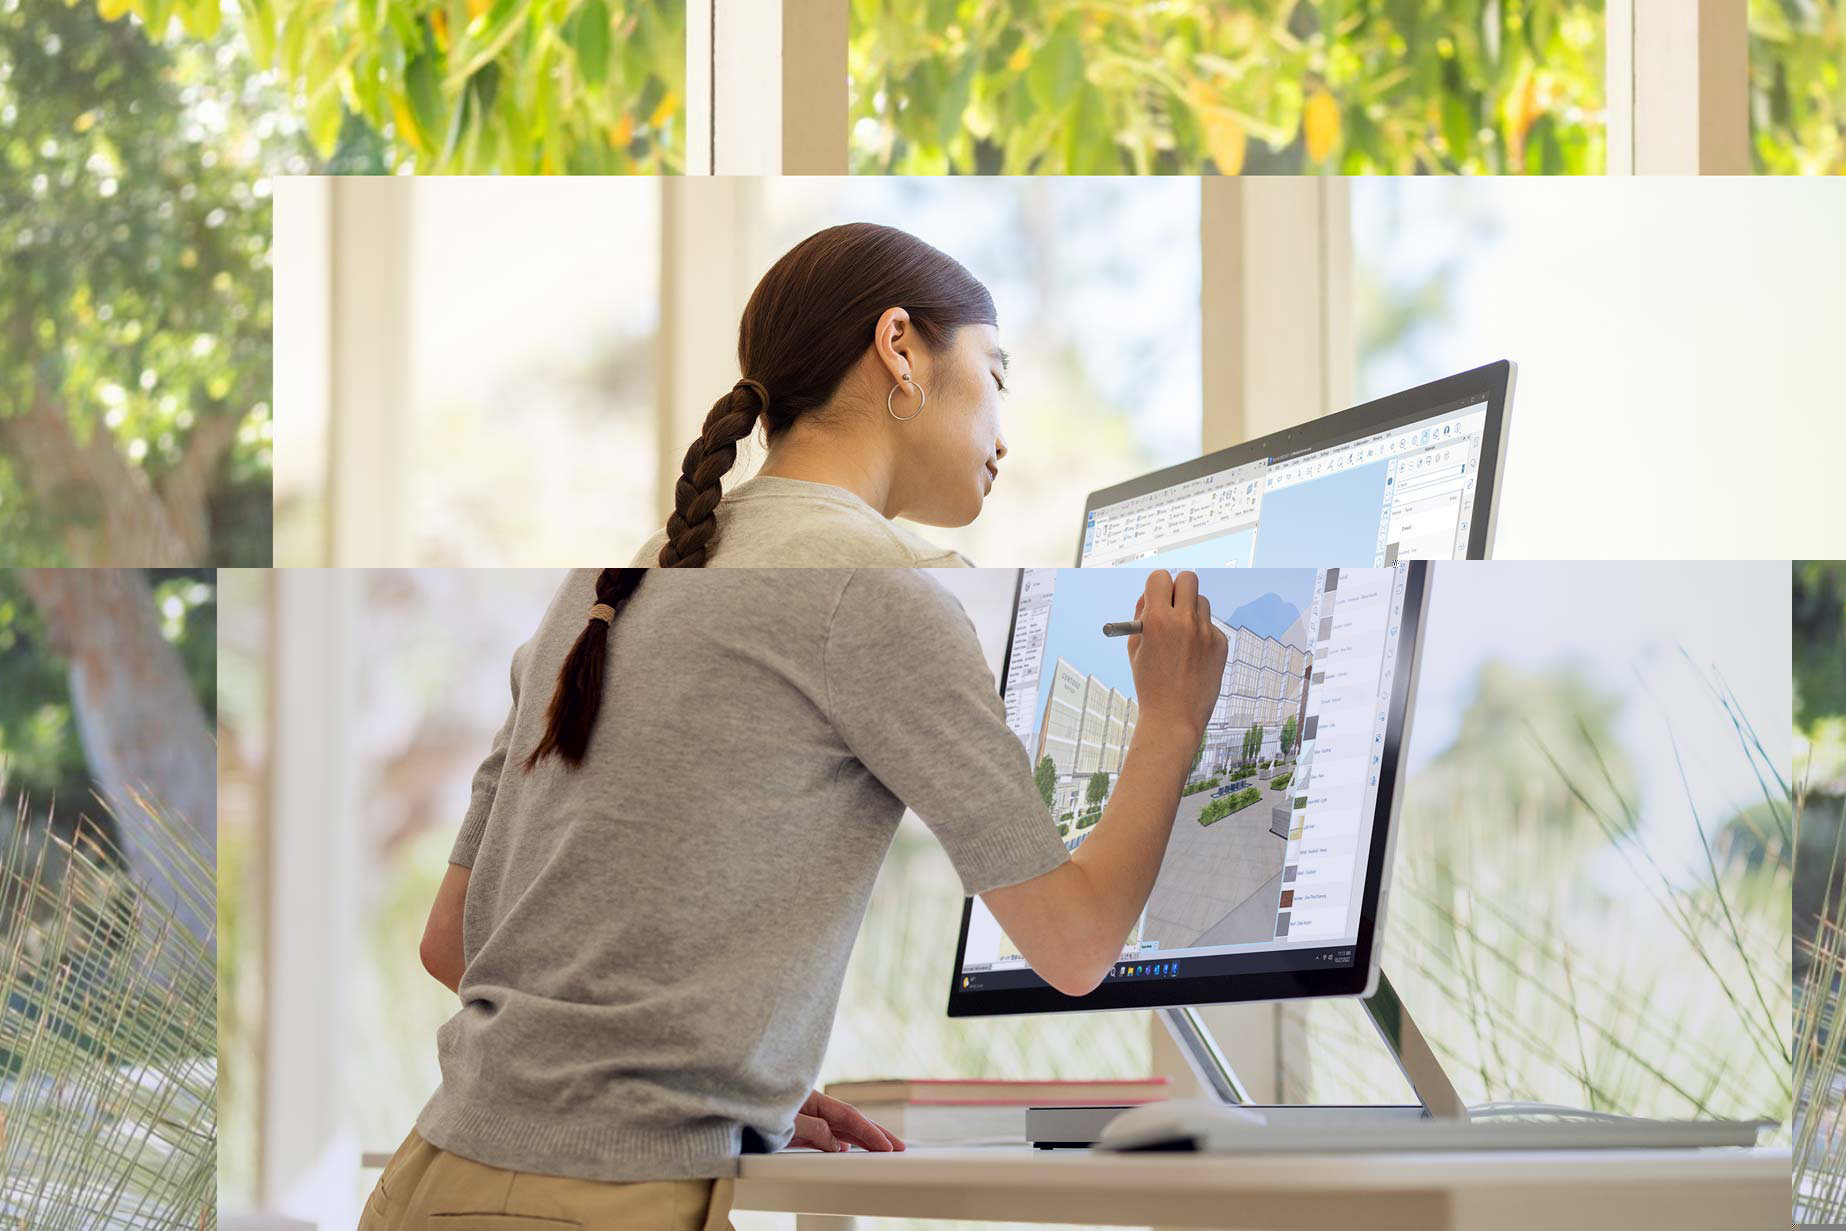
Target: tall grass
<point>1551,957</point>
<point>108,1029</point>
<point>1819,1172</point>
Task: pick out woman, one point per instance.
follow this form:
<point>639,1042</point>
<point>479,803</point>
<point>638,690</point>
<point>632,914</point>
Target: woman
<point>668,852</point>
<point>874,365</point>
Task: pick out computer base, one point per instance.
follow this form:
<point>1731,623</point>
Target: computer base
<point>1079,1128</point>
<point>1440,1121</point>
<point>1324,1128</point>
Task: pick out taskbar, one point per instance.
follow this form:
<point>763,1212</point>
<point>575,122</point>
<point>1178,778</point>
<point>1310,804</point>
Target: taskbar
<point>1152,966</point>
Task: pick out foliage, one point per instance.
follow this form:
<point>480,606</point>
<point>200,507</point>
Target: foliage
<point>1819,600</point>
<point>1798,86</point>
<point>1088,819</point>
<point>135,220</point>
<point>1220,808</point>
<point>40,753</point>
<point>580,87</point>
<point>1290,728</point>
<point>1084,87</point>
<point>1280,782</point>
<point>1098,788</point>
<point>1253,742</point>
<point>108,1032</point>
<point>1204,784</point>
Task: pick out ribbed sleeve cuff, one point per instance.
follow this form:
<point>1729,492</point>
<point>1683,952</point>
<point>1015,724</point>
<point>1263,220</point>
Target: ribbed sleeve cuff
<point>1009,855</point>
<point>474,824</point>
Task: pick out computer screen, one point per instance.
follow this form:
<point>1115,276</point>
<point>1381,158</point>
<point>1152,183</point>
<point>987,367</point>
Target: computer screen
<point>1409,477</point>
<point>1276,869</point>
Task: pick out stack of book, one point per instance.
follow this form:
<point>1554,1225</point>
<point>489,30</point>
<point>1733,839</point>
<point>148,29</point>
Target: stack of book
<point>954,1111</point>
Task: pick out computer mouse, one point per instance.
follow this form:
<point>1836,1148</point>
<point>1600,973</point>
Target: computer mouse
<point>1175,1124</point>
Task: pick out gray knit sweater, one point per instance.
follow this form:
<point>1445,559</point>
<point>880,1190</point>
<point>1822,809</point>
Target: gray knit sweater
<point>655,940</point>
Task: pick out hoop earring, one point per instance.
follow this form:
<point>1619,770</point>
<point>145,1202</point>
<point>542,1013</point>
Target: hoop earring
<point>922,401</point>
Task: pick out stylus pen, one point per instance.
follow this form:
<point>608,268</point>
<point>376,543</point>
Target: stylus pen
<point>1127,628</point>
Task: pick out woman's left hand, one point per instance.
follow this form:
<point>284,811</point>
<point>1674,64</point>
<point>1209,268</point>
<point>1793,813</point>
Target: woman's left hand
<point>825,1123</point>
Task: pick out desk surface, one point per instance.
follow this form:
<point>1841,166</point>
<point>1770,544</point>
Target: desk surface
<point>1584,1190</point>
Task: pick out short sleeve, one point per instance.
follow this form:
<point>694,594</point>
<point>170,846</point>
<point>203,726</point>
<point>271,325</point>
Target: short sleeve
<point>909,691</point>
<point>486,781</point>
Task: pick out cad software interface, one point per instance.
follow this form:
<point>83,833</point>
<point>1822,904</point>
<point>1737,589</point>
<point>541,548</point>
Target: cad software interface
<point>1266,866</point>
<point>1406,493</point>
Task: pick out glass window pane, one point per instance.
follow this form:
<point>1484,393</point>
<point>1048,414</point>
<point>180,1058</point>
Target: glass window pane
<point>1798,86</point>
<point>532,369</point>
<point>1643,313</point>
<point>1096,393</point>
<point>1187,86</point>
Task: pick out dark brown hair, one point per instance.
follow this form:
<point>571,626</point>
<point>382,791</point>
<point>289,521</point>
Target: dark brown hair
<point>579,691</point>
<point>807,323</point>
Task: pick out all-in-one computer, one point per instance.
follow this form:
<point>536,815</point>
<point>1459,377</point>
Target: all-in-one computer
<point>1313,546</point>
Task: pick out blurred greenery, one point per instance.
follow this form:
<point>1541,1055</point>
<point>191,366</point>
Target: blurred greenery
<point>1820,641</point>
<point>1187,86</point>
<point>1798,86</point>
<point>1819,607</point>
<point>580,87</point>
<point>40,752</point>
<point>135,307</point>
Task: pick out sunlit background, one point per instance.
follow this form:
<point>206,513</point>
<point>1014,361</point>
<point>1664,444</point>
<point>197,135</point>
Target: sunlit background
<point>536,436</point>
<point>1572,922</point>
<point>1665,331</point>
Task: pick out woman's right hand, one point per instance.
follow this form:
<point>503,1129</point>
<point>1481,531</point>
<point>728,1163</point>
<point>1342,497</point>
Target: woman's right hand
<point>1178,657</point>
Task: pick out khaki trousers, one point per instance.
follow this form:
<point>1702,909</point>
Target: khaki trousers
<point>424,1188</point>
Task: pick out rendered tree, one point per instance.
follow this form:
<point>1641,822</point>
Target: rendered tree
<point>1290,729</point>
<point>1098,789</point>
<point>581,87</point>
<point>1290,86</point>
<point>1046,778</point>
<point>135,306</point>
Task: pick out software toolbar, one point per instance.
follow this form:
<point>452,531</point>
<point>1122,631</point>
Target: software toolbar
<point>1417,480</point>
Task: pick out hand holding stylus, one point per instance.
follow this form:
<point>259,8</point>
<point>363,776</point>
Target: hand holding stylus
<point>1177,654</point>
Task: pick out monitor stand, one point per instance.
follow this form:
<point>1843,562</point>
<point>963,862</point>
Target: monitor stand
<point>1436,1097</point>
<point>1439,1111</point>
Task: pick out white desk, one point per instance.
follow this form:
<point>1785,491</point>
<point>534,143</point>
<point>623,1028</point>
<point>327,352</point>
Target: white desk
<point>1578,1190</point>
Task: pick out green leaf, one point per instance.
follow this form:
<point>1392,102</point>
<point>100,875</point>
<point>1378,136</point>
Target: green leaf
<point>423,89</point>
<point>1457,127</point>
<point>202,19</point>
<point>1055,71</point>
<point>324,114</point>
<point>589,35</point>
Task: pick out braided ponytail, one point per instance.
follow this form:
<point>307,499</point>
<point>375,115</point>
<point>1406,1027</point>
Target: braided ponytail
<point>808,322</point>
<point>579,691</point>
<point>696,494</point>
